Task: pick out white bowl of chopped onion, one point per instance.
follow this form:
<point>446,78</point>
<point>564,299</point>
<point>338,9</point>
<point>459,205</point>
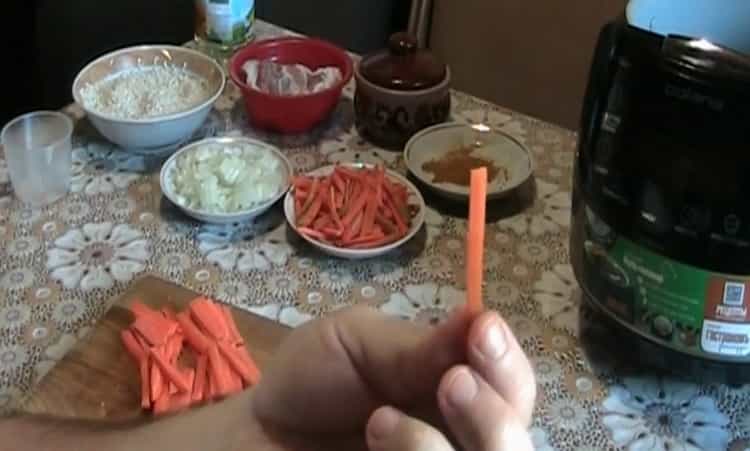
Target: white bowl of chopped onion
<point>225,180</point>
<point>149,96</point>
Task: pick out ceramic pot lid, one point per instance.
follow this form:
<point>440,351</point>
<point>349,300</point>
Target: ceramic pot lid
<point>403,66</point>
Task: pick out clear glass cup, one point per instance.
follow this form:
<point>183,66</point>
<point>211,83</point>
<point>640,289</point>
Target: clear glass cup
<point>38,154</point>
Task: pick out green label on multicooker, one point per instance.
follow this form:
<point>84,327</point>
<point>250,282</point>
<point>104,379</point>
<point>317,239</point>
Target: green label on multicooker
<point>688,307</point>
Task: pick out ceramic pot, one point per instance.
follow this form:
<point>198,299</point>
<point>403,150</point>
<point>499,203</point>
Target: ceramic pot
<point>399,92</point>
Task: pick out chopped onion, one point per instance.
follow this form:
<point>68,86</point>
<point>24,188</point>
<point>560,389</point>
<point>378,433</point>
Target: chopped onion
<point>218,178</point>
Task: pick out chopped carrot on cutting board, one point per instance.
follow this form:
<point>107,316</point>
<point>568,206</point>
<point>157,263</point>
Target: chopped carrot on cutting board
<point>169,371</point>
<point>193,335</point>
<point>157,338</point>
<point>157,382</point>
<point>201,368</point>
<point>155,329</point>
<point>234,333</point>
<point>209,317</point>
<point>132,345</point>
<point>162,404</point>
<point>145,384</point>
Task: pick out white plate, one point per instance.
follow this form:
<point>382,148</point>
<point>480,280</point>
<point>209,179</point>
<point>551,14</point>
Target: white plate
<point>503,150</point>
<point>167,172</point>
<point>415,199</point>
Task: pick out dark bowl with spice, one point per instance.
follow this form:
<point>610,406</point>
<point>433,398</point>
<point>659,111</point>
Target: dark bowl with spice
<point>400,91</point>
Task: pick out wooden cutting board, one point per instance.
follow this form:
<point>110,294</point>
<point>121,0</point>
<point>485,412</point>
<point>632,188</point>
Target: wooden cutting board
<point>98,379</point>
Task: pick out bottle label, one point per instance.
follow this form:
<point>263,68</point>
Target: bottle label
<point>227,22</point>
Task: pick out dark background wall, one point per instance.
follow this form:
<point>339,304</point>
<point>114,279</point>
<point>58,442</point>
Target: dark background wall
<point>60,37</point>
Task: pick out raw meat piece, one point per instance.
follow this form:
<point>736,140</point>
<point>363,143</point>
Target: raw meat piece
<point>289,79</point>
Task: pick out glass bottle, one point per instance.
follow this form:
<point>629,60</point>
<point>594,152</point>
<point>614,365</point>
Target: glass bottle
<point>224,25</point>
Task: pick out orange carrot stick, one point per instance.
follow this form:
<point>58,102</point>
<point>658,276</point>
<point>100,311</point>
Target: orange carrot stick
<point>234,333</point>
<point>311,197</point>
<point>138,308</point>
<point>338,182</point>
<point>219,372</point>
<point>199,385</point>
<point>156,381</point>
<point>388,239</point>
<point>339,202</point>
<point>209,317</point>
<point>475,243</point>
<point>182,401</point>
<point>357,224</point>
<point>331,233</point>
<point>311,233</point>
<point>356,208</point>
<point>347,173</point>
<point>179,401</point>
<point>239,365</point>
<point>161,405</point>
<point>309,215</point>
<point>385,223</point>
<point>363,239</point>
<point>170,371</point>
<point>132,346</point>
<point>193,335</point>
<point>145,385</point>
<point>154,328</point>
<point>302,182</point>
<point>168,313</point>
<point>334,213</point>
<point>390,188</point>
<point>354,193</point>
<point>189,374</point>
<point>322,221</point>
<point>174,347</point>
<point>400,224</point>
<point>244,354</point>
<point>347,194</point>
<point>399,204</point>
<point>379,185</point>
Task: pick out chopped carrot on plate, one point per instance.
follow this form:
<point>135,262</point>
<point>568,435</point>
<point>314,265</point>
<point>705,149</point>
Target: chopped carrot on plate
<point>348,206</point>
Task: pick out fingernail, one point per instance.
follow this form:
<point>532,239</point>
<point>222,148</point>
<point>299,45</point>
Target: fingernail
<point>462,389</point>
<point>492,344</point>
<point>383,423</point>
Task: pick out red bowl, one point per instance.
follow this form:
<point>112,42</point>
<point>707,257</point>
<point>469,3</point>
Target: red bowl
<point>290,114</point>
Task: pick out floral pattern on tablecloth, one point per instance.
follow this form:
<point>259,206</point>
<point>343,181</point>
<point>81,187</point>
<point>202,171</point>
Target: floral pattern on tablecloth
<point>60,266</point>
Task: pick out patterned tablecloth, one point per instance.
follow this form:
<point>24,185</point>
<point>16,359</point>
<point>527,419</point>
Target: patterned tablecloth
<point>61,264</point>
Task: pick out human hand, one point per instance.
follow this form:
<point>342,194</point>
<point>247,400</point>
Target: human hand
<point>359,380</point>
<point>354,381</point>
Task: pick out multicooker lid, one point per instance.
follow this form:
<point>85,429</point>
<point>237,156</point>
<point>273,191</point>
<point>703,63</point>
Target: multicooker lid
<point>722,22</point>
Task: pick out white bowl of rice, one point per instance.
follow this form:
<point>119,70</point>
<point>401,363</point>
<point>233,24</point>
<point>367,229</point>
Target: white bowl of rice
<point>150,96</point>
<point>226,180</point>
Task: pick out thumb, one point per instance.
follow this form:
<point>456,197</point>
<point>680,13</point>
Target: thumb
<point>391,430</point>
<point>332,373</point>
<point>384,349</point>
